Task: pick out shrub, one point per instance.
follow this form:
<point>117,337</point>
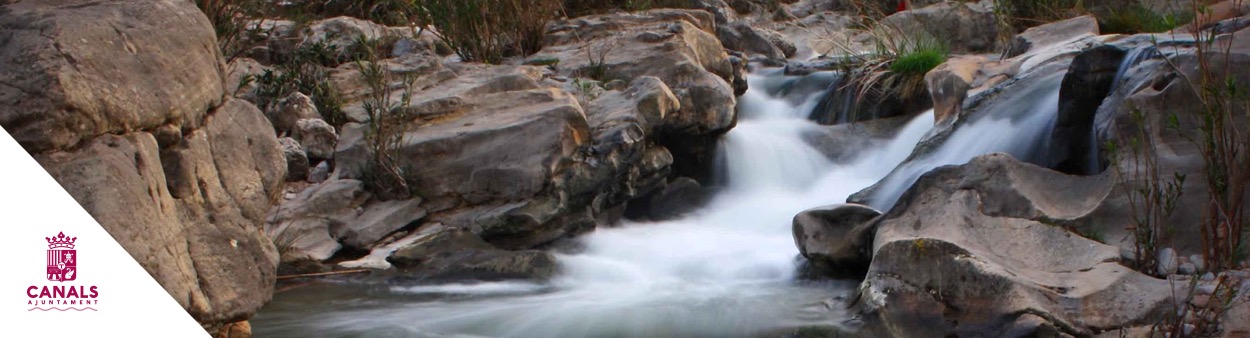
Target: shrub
<point>919,61</point>
<point>1135,18</point>
<point>490,30</point>
<point>230,20</point>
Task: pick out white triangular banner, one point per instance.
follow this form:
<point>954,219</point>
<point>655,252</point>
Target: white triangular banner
<point>127,301</point>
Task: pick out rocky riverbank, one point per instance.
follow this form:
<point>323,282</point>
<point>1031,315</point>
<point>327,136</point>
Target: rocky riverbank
<point>339,143</point>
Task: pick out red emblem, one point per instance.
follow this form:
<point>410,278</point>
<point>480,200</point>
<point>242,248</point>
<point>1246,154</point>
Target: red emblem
<point>62,258</point>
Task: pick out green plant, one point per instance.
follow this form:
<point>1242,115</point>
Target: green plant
<point>919,61</point>
<point>231,20</point>
<point>1137,18</point>
<point>490,30</point>
<point>1153,201</point>
<point>895,67</point>
<point>388,121</point>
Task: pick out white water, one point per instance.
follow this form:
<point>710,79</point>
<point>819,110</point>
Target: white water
<point>727,270</point>
<point>1017,123</point>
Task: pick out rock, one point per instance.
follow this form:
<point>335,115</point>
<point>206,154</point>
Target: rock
<point>966,251</point>
<point>678,198</point>
<point>317,137</point>
<point>320,173</point>
<point>444,253</point>
<point>67,81</point>
<point>949,83</point>
<point>676,46</point>
<point>302,225</point>
<point>1038,38</point>
<point>1167,262</point>
<point>376,221</point>
<point>964,26</point>
<point>241,329</point>
<point>291,110</point>
<point>1187,268</point>
<point>1085,86</point>
<point>837,235</point>
<point>296,160</point>
<point>188,213</point>
<point>342,34</point>
<point>1199,263</point>
<point>741,36</point>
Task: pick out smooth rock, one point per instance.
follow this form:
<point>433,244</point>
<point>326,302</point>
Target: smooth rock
<point>836,235</point>
<point>1168,262</point>
<point>290,110</point>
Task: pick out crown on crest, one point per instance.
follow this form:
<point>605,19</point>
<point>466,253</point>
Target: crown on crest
<point>60,241</point>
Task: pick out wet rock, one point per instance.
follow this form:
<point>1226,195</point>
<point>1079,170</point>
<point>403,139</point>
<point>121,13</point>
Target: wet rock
<point>970,248</point>
<point>376,220</point>
<point>317,137</point>
<point>949,83</point>
<point>445,253</point>
<point>679,197</point>
<point>1085,86</point>
<point>837,236</point>
<point>296,159</point>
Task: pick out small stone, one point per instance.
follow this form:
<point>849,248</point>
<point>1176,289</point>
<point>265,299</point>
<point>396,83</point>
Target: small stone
<point>1208,277</point>
<point>292,109</point>
<point>1187,268</point>
<point>1200,301</point>
<point>1167,262</point>
<point>1189,330</point>
<point>1205,289</point>
<point>320,173</point>
<point>1198,262</point>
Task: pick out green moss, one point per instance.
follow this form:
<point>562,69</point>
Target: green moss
<point>918,62</point>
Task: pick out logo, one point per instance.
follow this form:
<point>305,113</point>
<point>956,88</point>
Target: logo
<point>62,258</point>
<point>62,267</point>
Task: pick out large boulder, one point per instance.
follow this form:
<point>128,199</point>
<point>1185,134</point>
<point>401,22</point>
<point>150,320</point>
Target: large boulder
<point>963,26</point>
<point>67,80</point>
<point>680,48</point>
<point>438,252</point>
<point>979,248</point>
<point>131,121</point>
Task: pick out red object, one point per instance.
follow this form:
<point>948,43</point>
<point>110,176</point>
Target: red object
<point>902,6</point>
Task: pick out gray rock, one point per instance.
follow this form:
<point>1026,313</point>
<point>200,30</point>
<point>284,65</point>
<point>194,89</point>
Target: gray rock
<point>377,220</point>
<point>318,138</point>
<point>445,253</point>
<point>1168,262</point>
<point>1040,37</point>
<point>1187,268</point>
<point>972,238</point>
<point>320,173</point>
<point>291,110</point>
<point>837,236</point>
<point>296,159</point>
<point>1198,262</point>
<point>741,36</point>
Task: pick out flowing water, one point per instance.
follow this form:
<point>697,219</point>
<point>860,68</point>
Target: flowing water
<point>727,270</point>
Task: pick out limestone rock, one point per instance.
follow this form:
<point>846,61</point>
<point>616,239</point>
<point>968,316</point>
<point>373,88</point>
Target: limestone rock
<point>977,238</point>
<point>67,80</point>
<point>1050,34</point>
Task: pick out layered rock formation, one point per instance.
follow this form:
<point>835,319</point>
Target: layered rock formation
<point>134,123</point>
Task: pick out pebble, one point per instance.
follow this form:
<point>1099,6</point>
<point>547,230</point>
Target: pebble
<point>1187,269</point>
<point>1208,276</point>
<point>1200,301</point>
<point>1198,263</point>
<point>1205,289</point>
<point>1167,262</point>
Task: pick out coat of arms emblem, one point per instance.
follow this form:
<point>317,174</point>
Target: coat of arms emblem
<point>62,258</point>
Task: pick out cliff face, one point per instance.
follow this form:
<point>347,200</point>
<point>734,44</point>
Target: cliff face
<point>123,103</point>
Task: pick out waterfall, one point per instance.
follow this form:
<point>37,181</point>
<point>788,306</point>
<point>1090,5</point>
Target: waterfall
<point>727,270</point>
<point>1018,122</point>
